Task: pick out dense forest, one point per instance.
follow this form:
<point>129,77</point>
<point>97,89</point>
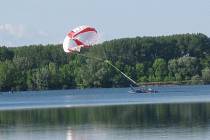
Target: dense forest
<point>179,58</point>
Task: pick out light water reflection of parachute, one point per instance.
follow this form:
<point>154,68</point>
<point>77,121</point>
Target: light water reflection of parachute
<point>82,36</point>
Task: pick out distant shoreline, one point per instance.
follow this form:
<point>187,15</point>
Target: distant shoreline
<point>170,83</point>
<point>186,82</point>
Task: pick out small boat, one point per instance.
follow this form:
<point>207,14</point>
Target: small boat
<point>141,90</point>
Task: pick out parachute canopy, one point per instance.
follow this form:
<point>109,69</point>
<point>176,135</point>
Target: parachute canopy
<point>82,36</point>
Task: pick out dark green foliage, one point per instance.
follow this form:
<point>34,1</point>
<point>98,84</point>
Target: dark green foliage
<point>160,69</point>
<point>5,54</point>
<point>206,75</point>
<point>144,59</point>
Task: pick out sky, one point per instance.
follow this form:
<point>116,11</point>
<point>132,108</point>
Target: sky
<point>28,22</point>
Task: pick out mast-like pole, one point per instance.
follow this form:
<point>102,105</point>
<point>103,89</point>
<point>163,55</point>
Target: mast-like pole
<point>108,62</point>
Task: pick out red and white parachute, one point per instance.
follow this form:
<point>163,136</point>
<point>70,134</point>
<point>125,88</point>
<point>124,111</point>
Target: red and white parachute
<point>82,36</point>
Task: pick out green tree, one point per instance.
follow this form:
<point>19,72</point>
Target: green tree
<point>22,65</point>
<point>6,54</point>
<point>42,78</point>
<point>173,70</point>
<point>7,75</point>
<point>67,76</point>
<point>187,67</point>
<point>140,74</point>
<point>160,69</point>
<point>196,80</point>
<point>206,75</point>
<point>54,76</point>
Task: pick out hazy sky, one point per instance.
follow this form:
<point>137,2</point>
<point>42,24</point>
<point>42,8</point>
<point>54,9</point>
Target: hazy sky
<point>25,22</point>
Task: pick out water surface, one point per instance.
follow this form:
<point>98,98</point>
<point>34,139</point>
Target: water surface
<point>177,112</point>
<point>101,97</point>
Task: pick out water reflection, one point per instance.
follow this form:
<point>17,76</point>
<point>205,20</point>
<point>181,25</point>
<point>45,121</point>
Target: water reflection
<point>109,122</point>
<point>69,134</point>
<point>141,115</point>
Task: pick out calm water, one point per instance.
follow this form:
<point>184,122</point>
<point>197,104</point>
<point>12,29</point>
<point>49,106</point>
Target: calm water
<point>176,112</point>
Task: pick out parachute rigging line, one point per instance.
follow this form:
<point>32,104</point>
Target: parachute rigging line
<point>109,63</point>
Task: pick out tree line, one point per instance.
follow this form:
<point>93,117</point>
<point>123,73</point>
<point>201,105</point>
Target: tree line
<point>184,57</point>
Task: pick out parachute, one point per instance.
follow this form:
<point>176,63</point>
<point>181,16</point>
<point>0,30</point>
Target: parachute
<point>82,36</point>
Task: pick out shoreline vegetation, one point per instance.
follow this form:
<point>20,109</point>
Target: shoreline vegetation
<point>186,82</point>
<point>163,60</point>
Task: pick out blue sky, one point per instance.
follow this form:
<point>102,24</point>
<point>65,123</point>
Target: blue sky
<point>25,22</point>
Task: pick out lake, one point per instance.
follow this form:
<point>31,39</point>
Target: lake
<point>176,112</point>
